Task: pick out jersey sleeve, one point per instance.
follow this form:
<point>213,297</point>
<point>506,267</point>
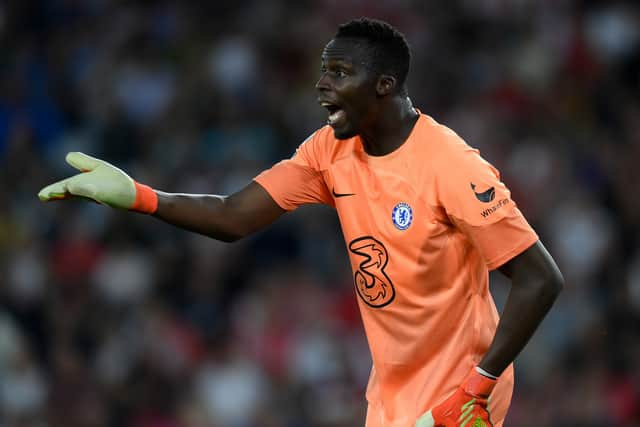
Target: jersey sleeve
<point>299,180</point>
<point>479,204</point>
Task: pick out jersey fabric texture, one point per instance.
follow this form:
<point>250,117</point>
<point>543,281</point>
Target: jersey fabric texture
<point>423,226</point>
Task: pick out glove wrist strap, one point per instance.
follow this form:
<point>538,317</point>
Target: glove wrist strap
<point>146,199</point>
<point>485,373</point>
<point>478,385</point>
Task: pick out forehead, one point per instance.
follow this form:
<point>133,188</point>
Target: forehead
<point>348,50</point>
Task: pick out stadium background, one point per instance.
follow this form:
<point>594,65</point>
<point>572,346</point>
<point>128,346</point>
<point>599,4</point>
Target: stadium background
<point>115,319</point>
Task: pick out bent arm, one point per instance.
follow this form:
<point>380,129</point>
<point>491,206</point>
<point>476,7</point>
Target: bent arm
<point>536,283</point>
<point>226,218</point>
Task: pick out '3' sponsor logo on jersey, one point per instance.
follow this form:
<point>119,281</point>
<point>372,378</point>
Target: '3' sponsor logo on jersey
<point>372,283</point>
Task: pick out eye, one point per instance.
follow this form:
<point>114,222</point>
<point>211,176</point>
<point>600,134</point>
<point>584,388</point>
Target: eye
<point>334,72</point>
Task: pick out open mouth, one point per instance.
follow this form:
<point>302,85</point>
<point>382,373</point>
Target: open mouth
<point>336,114</point>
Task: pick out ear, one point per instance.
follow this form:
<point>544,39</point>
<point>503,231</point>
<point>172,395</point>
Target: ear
<point>385,85</point>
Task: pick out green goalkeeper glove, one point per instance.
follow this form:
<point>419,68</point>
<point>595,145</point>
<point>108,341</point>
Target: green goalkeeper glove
<point>103,183</point>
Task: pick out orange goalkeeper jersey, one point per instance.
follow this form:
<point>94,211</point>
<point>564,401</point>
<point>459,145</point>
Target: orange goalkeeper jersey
<point>423,226</point>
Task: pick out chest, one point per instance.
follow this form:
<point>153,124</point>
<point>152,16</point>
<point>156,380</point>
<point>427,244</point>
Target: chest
<point>387,203</point>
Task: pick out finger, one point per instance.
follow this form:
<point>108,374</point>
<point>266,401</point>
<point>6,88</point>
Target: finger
<point>57,190</point>
<point>83,162</point>
<point>425,420</point>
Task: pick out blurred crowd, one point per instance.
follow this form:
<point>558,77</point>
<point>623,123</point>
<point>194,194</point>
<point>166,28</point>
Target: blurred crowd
<point>109,318</point>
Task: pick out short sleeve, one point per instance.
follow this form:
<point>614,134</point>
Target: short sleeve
<point>299,180</point>
<point>478,203</point>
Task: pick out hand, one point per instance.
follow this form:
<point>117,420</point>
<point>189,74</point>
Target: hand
<point>467,407</point>
<point>103,183</point>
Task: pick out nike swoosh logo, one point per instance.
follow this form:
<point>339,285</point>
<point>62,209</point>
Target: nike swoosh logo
<point>333,191</point>
<point>485,196</point>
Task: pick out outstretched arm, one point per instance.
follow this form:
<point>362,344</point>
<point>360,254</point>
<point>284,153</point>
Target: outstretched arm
<point>536,282</point>
<point>226,218</point>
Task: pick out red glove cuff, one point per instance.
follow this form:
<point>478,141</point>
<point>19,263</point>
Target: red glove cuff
<point>146,199</point>
<point>478,385</point>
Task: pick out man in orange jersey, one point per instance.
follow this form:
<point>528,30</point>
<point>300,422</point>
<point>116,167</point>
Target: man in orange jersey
<point>424,219</point>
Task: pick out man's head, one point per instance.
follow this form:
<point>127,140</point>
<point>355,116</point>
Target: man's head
<point>363,66</point>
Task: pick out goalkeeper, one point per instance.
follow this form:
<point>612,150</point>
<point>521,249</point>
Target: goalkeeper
<point>424,218</point>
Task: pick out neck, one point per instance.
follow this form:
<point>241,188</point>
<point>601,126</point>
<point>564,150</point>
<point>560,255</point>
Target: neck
<point>392,128</point>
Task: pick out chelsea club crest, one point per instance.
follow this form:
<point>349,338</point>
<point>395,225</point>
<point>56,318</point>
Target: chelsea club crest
<point>402,215</point>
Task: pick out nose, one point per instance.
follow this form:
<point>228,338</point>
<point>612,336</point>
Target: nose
<point>322,83</point>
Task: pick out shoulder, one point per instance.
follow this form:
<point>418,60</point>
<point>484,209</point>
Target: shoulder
<point>446,149</point>
<point>444,140</point>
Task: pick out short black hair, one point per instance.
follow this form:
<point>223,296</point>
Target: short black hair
<point>390,50</point>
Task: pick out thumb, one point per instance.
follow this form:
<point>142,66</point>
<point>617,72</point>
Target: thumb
<point>55,191</point>
<point>83,162</point>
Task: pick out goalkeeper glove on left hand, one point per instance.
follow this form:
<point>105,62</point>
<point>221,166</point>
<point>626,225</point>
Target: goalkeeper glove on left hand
<point>467,407</point>
<point>103,183</point>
